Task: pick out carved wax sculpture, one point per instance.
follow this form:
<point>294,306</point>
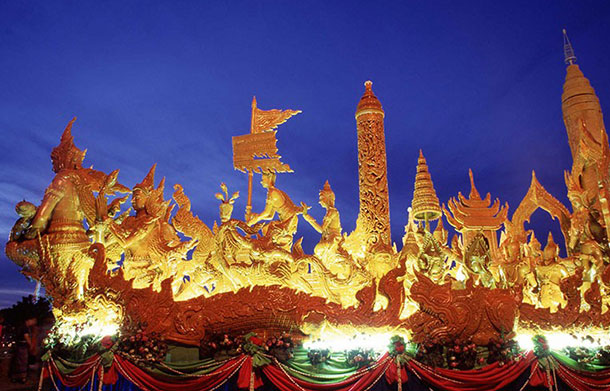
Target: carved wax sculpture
<point>157,263</point>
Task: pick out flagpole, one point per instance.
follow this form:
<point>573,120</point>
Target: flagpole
<point>249,204</point>
<point>250,172</point>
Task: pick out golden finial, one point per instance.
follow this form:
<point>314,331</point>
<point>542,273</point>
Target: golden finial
<point>550,242</point>
<point>326,186</point>
<point>148,183</point>
<point>66,155</point>
<point>369,102</point>
<point>568,51</point>
<point>440,233</point>
<point>551,249</point>
<point>425,202</point>
<point>534,243</point>
<point>327,190</point>
<point>474,193</point>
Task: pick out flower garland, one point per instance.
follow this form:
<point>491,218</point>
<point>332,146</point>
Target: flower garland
<point>502,351</point>
<point>399,351</point>
<point>360,357</point>
<point>142,347</point>
<point>224,346</point>
<point>318,356</point>
<point>541,346</point>
<point>462,355</point>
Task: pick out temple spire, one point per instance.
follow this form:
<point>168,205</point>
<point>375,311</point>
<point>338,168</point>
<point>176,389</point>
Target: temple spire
<point>568,51</point>
<point>425,205</point>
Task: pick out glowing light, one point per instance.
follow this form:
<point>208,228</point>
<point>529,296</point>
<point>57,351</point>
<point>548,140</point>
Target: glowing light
<point>98,319</point>
<point>70,335</point>
<point>525,341</point>
<point>342,338</point>
<point>558,340</point>
<point>460,275</point>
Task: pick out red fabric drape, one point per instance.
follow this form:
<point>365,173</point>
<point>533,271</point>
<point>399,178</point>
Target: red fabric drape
<point>489,378</point>
<point>585,381</point>
<point>246,375</point>
<point>391,375</point>
<point>540,377</point>
<point>199,382</point>
<point>111,375</point>
<point>79,377</point>
<point>359,382</point>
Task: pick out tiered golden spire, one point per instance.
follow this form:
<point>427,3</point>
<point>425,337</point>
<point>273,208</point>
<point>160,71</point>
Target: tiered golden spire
<point>583,118</point>
<point>472,215</point>
<point>582,112</point>
<point>474,212</point>
<point>425,202</point>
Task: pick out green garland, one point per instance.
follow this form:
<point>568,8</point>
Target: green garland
<point>318,356</point>
<point>401,351</point>
<point>360,357</point>
<point>541,346</point>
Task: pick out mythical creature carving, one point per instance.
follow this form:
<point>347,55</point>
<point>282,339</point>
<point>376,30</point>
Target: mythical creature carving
<point>447,314</point>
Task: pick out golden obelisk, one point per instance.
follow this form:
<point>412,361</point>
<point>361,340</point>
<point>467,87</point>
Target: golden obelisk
<point>373,224</point>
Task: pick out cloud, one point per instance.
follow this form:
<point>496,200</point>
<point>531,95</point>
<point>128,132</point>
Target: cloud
<point>19,292</point>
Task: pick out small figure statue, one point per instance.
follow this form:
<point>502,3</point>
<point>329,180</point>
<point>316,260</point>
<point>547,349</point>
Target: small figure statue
<point>26,211</point>
<point>431,259</point>
<point>585,234</point>
<point>24,252</point>
<point>278,232</point>
<point>226,205</point>
<point>330,249</point>
<point>549,273</point>
<point>477,260</point>
<point>514,268</point>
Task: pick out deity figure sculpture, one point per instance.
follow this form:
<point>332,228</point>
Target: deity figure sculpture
<point>330,250</point>
<point>549,272</point>
<point>514,268</point>
<point>585,235</point>
<point>277,232</point>
<point>56,229</point>
<point>152,246</point>
<point>477,261</point>
<point>431,258</point>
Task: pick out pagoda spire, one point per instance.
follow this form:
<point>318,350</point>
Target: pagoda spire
<point>584,122</point>
<point>425,202</point>
<point>568,51</point>
<point>474,215</point>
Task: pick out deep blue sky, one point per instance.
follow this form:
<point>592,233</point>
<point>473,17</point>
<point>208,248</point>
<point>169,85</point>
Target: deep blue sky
<point>474,84</point>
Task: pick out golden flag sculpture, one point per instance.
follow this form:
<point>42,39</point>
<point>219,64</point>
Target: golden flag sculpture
<point>257,151</point>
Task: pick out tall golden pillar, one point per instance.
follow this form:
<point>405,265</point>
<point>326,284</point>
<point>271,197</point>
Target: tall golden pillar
<point>584,122</point>
<point>373,224</point>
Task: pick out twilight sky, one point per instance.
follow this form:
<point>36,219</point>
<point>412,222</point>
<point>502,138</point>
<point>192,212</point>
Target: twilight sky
<point>474,84</point>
